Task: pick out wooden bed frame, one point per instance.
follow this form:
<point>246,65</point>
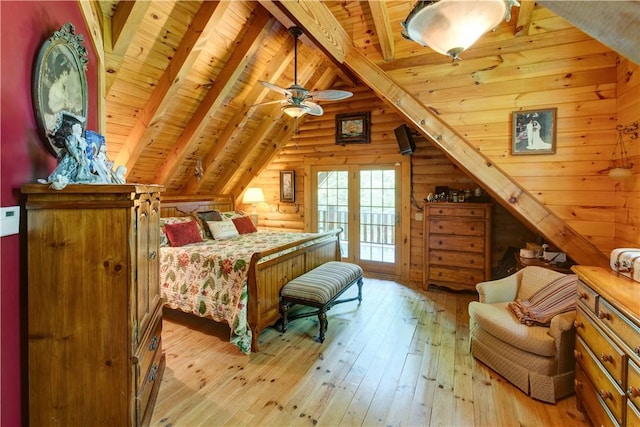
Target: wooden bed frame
<point>265,278</point>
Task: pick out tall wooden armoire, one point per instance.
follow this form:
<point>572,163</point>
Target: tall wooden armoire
<point>94,312</point>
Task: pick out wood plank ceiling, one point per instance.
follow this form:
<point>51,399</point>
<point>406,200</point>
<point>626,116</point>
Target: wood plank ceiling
<point>181,86</point>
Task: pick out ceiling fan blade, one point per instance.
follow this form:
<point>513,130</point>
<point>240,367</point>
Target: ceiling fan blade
<point>314,109</point>
<point>330,95</point>
<point>274,87</point>
<point>268,103</point>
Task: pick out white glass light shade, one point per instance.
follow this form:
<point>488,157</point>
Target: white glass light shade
<point>451,26</point>
<point>253,195</point>
<point>620,173</point>
<point>295,111</point>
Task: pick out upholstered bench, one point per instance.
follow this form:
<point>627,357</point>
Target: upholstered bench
<point>320,288</point>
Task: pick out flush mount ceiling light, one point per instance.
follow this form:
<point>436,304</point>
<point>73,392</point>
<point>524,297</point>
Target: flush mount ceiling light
<point>451,26</point>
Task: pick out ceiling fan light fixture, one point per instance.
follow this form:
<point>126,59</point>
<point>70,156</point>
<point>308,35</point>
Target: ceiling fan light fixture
<point>450,26</point>
<point>295,111</point>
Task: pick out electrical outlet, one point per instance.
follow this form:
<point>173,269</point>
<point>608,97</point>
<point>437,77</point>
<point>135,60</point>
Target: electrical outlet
<point>419,216</point>
<point>9,220</point>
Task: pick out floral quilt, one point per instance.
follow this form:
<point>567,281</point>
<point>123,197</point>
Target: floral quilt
<point>209,279</point>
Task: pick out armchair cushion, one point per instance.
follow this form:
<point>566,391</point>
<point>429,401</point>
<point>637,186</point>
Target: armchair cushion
<point>497,320</point>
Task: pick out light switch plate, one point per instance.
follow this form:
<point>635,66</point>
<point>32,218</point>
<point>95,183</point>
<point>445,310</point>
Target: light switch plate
<point>9,220</point>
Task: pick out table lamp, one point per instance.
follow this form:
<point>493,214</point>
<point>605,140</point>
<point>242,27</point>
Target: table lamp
<point>253,196</point>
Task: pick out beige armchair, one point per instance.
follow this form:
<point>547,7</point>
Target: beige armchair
<point>536,359</point>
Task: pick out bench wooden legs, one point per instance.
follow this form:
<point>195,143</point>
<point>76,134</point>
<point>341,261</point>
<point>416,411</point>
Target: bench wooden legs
<point>321,312</point>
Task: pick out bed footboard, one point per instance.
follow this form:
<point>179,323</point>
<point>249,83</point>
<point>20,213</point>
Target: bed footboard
<point>266,278</point>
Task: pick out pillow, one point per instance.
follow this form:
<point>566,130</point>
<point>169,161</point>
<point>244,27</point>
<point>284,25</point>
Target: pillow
<point>222,229</point>
<point>183,233</point>
<point>203,217</point>
<point>244,225</point>
<point>164,241</point>
<point>232,214</point>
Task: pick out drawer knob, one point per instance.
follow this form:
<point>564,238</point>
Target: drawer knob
<point>637,350</point>
<point>153,255</point>
<point>154,343</point>
<point>153,373</point>
<point>604,315</point>
<point>577,354</point>
<point>606,357</point>
<point>606,394</point>
<point>633,391</point>
<point>577,384</point>
<point>578,324</point>
<point>583,295</point>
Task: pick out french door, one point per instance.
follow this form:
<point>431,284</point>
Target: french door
<point>364,202</point>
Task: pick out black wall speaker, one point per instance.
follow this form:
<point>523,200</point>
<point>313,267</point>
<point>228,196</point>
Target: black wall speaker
<point>405,140</point>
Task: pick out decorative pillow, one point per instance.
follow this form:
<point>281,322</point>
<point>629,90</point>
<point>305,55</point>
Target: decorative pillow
<point>183,233</point>
<point>244,225</point>
<point>222,229</point>
<point>164,241</point>
<point>203,217</point>
<point>232,214</point>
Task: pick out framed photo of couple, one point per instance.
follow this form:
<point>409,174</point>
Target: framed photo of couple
<point>534,132</point>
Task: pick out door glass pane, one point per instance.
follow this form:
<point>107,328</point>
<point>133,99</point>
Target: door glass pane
<point>333,204</point>
<point>377,215</point>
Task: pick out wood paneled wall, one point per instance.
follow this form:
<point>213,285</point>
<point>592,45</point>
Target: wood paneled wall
<point>315,144</point>
<point>627,192</point>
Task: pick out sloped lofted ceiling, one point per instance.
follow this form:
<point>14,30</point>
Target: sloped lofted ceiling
<point>182,83</point>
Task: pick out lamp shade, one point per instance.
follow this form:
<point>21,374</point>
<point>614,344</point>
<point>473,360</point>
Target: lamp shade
<point>451,26</point>
<point>253,195</point>
<point>295,111</point>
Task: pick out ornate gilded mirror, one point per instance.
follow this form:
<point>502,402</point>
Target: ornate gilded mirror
<point>60,81</point>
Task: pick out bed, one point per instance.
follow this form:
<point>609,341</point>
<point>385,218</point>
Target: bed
<point>236,280</point>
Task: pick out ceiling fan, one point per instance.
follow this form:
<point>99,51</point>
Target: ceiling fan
<point>298,100</point>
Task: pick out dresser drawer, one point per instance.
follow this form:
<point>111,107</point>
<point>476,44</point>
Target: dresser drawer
<point>606,351</point>
<point>147,352</point>
<point>633,383</point>
<point>609,392</point>
<point>591,402</point>
<point>628,332</point>
<point>457,243</point>
<point>588,297</point>
<point>462,276</point>
<point>457,259</point>
<point>456,227</point>
<point>465,211</point>
<point>149,389</point>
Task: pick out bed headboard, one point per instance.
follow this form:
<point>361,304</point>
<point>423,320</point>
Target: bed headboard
<point>186,205</point>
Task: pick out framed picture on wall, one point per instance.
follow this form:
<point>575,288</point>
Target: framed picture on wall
<point>287,186</point>
<point>60,82</point>
<point>354,128</point>
<point>534,132</point>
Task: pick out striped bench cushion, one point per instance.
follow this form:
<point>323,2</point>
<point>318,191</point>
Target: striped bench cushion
<point>322,283</point>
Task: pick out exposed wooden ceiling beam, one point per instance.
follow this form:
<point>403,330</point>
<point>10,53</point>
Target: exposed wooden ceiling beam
<point>383,28</point>
<point>257,93</point>
<point>204,23</point>
<point>254,142</point>
<point>223,84</point>
<point>125,23</point>
<point>288,21</point>
<point>315,18</point>
<point>525,13</point>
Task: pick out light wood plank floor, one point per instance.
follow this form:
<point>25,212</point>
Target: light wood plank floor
<point>401,358</point>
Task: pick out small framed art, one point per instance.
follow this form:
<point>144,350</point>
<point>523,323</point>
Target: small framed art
<point>287,186</point>
<point>353,128</point>
<point>534,132</point>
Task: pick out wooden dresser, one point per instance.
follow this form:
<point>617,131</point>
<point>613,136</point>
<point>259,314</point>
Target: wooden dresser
<point>457,244</point>
<point>608,347</point>
<point>94,311</point>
